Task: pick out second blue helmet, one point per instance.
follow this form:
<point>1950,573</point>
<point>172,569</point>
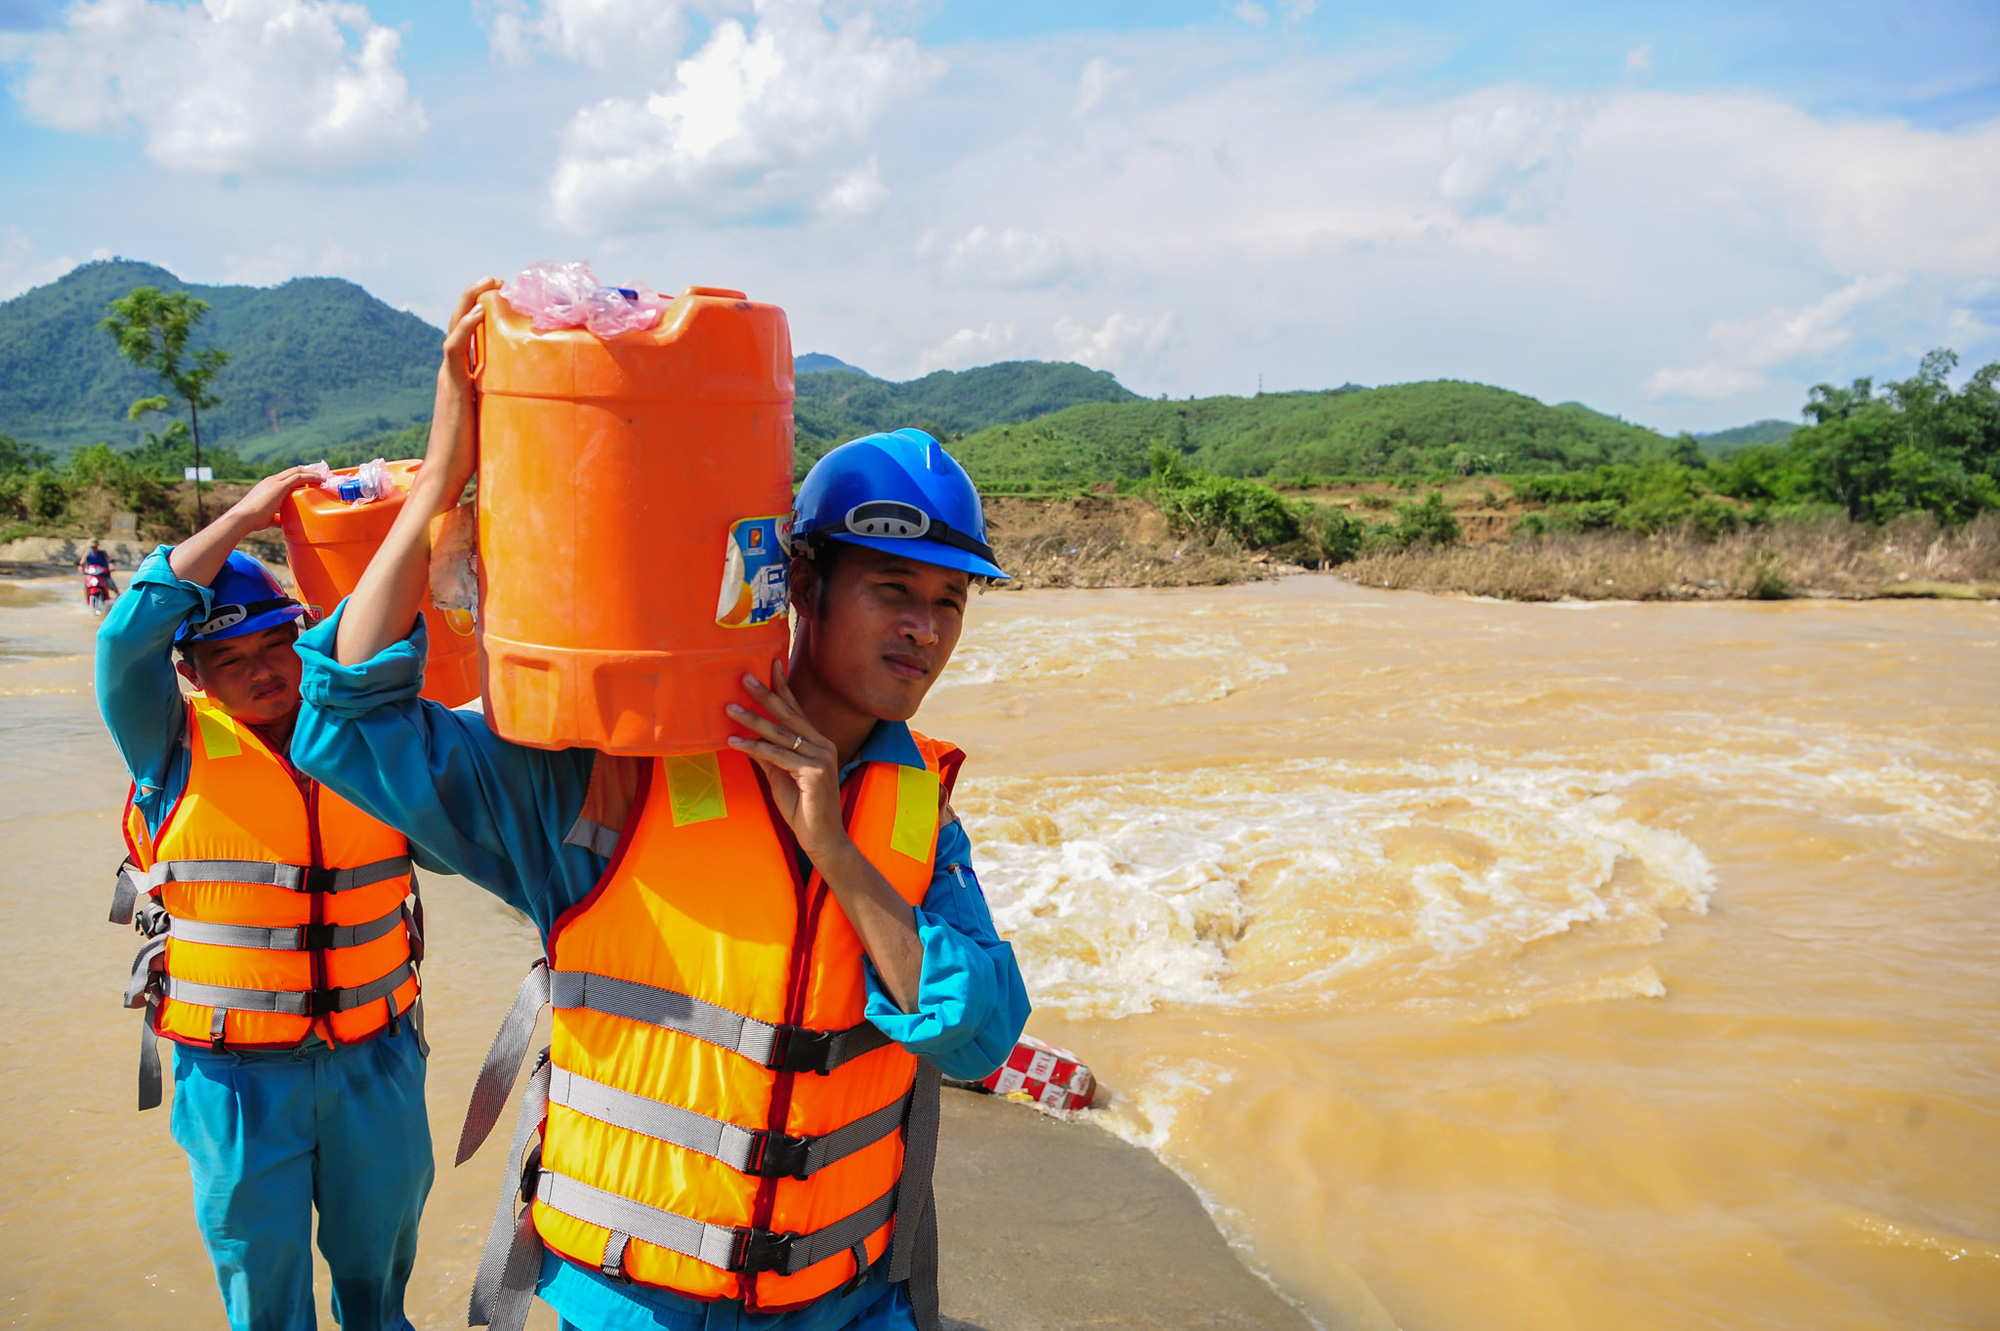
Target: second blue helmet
<point>245,599</point>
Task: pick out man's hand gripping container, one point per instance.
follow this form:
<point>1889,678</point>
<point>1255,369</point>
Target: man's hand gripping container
<point>634,508</point>
<point>328,543</point>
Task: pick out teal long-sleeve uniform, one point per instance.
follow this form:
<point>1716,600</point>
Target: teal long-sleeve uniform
<point>499,813</point>
<point>270,1135</point>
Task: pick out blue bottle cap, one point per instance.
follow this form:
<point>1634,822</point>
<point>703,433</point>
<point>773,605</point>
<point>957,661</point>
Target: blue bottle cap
<point>350,489</point>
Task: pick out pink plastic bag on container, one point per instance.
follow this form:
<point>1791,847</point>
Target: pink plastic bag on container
<point>568,295</point>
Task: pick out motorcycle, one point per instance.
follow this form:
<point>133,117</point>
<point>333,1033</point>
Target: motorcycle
<point>96,590</point>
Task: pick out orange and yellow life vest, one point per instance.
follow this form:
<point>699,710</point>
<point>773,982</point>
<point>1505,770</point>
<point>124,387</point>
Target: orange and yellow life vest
<point>721,1119</point>
<point>274,908</point>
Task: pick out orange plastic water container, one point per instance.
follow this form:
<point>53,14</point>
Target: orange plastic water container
<point>329,542</point>
<point>634,506</point>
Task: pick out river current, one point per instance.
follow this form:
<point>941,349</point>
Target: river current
<point>1481,965</point>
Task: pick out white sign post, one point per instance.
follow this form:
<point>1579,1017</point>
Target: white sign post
<point>197,473</point>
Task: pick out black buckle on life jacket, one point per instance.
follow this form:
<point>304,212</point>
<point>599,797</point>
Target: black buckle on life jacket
<point>531,1174</point>
<point>800,1050</point>
<point>151,919</point>
<point>779,1156</point>
<point>316,937</point>
<point>320,879</point>
<point>322,1002</point>
<point>759,1250</point>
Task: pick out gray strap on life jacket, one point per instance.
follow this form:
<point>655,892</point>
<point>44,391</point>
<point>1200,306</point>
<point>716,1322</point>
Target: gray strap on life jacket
<point>495,1081</point>
<point>125,892</point>
<point>292,938</point>
<point>417,1025</point>
<point>748,1251</point>
<point>511,1262</point>
<point>292,1002</point>
<point>763,1154</point>
<point>913,1257</point>
<point>147,971</point>
<point>151,1089</point>
<point>143,991</point>
<point>594,837</point>
<point>292,877</point>
<point>783,1048</point>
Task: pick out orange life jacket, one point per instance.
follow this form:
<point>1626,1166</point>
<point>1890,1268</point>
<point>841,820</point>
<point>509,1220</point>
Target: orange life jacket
<point>721,1119</point>
<point>274,912</point>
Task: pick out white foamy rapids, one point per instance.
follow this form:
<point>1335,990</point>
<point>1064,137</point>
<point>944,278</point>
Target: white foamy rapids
<point>1286,885</point>
<point>1027,647</point>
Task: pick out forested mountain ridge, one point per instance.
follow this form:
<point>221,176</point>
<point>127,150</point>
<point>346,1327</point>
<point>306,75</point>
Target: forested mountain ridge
<point>835,405</point>
<point>314,362</point>
<point>1757,432</point>
<point>1441,426</point>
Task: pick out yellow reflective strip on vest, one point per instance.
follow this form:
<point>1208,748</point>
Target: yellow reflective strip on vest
<point>218,736</point>
<point>916,812</point>
<point>694,784</point>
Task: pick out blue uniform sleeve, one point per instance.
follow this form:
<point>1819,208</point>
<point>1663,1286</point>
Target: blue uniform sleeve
<point>470,802</point>
<point>971,1001</point>
<point>138,693</point>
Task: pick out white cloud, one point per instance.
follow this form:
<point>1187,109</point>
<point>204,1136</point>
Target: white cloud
<point>21,267</point>
<point>630,37</point>
<point>968,347</point>
<point>756,124</point>
<point>1009,259</point>
<point>227,87</point>
<point>1250,12</point>
<point>1298,11</point>
<point>856,194</point>
<point>1123,343</point>
<point>1507,157</point>
<point>1567,247</point>
<point>1744,348</point>
<point>284,261</point>
<point>1640,58</point>
<point>1096,80</point>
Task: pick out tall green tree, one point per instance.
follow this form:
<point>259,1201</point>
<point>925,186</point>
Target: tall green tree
<point>16,456</point>
<point>152,329</point>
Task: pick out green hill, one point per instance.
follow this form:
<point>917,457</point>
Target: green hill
<point>819,360</point>
<point>837,405</point>
<point>1403,429</point>
<point>314,363</point>
<point>1758,432</point>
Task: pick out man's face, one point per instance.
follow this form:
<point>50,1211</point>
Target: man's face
<point>883,628</point>
<point>255,678</point>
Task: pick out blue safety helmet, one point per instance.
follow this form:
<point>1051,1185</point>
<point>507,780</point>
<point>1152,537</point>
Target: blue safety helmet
<point>247,599</point>
<point>901,493</point>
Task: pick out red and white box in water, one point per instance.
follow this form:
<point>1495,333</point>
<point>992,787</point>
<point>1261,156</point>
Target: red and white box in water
<point>1053,1078</point>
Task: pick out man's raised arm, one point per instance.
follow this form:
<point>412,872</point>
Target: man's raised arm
<point>390,595</point>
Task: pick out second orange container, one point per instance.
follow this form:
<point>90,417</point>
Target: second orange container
<point>634,502</point>
<point>328,544</point>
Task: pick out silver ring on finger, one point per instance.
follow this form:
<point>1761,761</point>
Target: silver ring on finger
<point>798,742</point>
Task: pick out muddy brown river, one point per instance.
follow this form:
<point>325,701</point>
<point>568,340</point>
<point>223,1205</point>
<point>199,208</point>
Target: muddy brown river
<point>1481,965</point>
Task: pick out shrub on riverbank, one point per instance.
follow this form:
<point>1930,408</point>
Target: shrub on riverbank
<point>1252,514</point>
<point>1913,555</point>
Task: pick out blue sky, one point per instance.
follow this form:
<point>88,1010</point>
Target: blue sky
<point>1686,214</point>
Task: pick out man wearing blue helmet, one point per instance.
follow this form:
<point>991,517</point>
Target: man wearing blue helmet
<point>279,956</point>
<point>800,814</point>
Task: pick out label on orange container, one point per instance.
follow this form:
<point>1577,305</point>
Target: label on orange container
<point>756,572</point>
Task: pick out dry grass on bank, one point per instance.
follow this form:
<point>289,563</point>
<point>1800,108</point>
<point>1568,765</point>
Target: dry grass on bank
<point>1913,557</point>
<point>1107,541</point>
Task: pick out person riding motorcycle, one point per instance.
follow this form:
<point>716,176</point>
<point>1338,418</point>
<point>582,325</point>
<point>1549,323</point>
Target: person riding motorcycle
<point>96,569</point>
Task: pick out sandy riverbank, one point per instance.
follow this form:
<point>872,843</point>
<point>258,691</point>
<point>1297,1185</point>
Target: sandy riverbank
<point>1044,1224</point>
